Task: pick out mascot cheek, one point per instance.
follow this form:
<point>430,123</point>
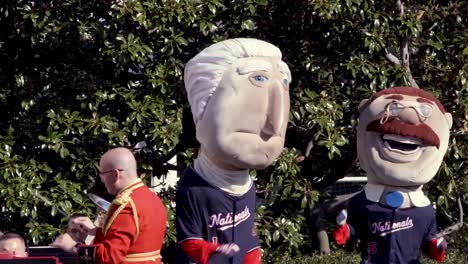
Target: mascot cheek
<point>256,149</point>
<point>249,150</point>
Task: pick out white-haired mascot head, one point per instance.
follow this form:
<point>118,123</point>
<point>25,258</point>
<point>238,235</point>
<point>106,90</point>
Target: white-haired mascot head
<point>238,90</point>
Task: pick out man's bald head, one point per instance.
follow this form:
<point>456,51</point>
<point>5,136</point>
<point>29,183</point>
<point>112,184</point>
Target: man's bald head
<point>14,244</point>
<point>118,169</point>
<point>119,158</point>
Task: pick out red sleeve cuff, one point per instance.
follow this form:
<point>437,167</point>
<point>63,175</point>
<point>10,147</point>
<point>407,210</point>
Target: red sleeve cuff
<point>341,234</point>
<point>434,252</point>
<point>199,250</point>
<point>253,257</point>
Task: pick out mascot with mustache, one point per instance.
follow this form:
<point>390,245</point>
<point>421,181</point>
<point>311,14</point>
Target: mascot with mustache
<point>238,90</point>
<point>402,137</point>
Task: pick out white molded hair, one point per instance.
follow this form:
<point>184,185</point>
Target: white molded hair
<point>204,72</point>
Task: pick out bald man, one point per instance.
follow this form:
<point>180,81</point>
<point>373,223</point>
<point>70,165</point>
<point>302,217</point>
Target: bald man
<point>13,244</point>
<point>133,231</point>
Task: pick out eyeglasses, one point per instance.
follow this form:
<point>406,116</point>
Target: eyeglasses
<point>394,109</point>
<point>104,172</point>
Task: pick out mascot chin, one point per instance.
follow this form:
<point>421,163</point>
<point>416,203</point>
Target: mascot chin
<point>238,90</point>
<point>402,137</point>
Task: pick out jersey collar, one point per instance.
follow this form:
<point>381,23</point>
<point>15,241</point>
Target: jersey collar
<point>414,198</point>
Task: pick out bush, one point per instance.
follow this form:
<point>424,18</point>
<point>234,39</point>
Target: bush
<point>78,77</point>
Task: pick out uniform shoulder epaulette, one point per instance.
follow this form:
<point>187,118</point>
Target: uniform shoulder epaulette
<point>121,201</point>
<point>123,198</point>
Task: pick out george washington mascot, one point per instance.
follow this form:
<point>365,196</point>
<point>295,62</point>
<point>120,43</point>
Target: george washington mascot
<point>402,137</point>
<point>238,93</point>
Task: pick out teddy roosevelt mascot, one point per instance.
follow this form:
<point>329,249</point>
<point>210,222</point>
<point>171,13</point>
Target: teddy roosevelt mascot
<point>402,136</point>
<point>238,93</point>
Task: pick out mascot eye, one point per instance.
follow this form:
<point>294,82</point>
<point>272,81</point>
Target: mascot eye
<point>425,110</point>
<point>260,78</point>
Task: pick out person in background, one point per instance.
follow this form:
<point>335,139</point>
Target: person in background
<point>134,229</point>
<point>75,232</point>
<point>13,244</point>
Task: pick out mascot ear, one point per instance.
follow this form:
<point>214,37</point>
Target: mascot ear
<point>362,105</point>
<point>449,119</point>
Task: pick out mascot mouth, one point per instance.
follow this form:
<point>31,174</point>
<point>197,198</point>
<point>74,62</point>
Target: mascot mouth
<point>405,133</point>
<point>405,145</point>
<point>266,134</point>
<point>262,135</point>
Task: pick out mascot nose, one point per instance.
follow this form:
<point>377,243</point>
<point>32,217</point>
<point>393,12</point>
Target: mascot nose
<point>276,108</point>
<point>410,116</point>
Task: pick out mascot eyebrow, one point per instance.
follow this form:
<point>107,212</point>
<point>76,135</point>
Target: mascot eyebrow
<point>395,97</point>
<point>400,98</point>
<point>410,91</point>
<point>258,66</point>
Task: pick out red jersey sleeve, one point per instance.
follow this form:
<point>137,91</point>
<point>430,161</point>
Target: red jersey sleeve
<point>199,250</point>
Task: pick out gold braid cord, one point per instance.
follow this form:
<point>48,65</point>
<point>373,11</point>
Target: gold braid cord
<point>122,200</point>
<point>135,216</point>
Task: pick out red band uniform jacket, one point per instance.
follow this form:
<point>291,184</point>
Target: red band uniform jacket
<point>133,231</point>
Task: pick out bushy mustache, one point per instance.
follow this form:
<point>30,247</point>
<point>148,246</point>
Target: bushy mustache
<point>398,127</point>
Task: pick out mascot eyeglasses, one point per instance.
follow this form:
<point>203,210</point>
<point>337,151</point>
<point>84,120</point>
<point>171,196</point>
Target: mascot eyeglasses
<point>394,108</point>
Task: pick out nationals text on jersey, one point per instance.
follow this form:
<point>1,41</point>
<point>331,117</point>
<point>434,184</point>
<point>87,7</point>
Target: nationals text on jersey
<point>226,222</point>
<point>389,227</point>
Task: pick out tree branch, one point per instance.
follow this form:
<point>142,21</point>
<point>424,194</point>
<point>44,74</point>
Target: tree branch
<point>406,61</point>
<point>392,58</point>
<point>404,53</point>
<point>401,7</point>
<point>433,26</point>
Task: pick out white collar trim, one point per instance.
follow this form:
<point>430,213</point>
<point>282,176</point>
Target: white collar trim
<point>417,197</point>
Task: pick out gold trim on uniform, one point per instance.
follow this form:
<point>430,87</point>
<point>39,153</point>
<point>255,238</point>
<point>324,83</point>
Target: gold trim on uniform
<point>145,256</point>
<point>135,217</point>
<point>122,200</point>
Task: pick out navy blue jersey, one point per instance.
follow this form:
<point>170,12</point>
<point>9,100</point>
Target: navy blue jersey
<point>391,235</point>
<point>206,212</point>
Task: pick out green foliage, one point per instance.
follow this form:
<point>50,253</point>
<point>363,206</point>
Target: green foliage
<point>336,257</point>
<point>78,77</point>
<point>283,186</point>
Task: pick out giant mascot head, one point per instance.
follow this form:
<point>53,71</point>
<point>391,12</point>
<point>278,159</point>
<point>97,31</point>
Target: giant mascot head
<point>238,91</point>
<point>402,136</point>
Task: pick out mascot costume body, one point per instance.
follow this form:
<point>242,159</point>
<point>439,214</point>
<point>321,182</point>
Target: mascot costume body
<point>238,91</point>
<point>402,136</point>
